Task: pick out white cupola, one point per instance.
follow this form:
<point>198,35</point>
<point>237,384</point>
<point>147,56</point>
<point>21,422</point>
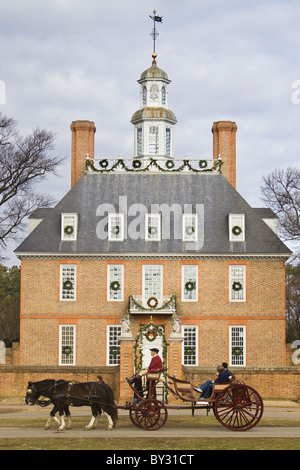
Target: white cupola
<point>153,122</point>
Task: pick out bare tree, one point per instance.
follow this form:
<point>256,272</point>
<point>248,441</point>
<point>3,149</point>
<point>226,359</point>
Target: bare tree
<point>281,192</point>
<point>24,161</point>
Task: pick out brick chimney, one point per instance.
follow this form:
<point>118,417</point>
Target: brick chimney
<point>82,144</point>
<point>224,144</point>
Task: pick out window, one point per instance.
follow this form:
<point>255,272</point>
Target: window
<point>168,142</point>
<point>190,345</point>
<point>152,282</point>
<point>237,227</point>
<point>189,283</point>
<point>152,227</point>
<point>144,96</point>
<point>154,94</point>
<point>69,227</point>
<point>115,282</point>
<point>139,141</point>
<point>237,345</point>
<point>189,227</point>
<point>163,96</point>
<point>116,227</point>
<point>153,140</point>
<point>67,343</point>
<point>237,283</point>
<point>68,281</point>
<point>113,343</point>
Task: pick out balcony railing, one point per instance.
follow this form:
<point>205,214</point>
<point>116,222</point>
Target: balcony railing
<point>150,164</point>
<point>152,305</point>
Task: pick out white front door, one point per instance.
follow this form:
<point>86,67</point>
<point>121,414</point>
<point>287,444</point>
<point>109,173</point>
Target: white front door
<point>147,345</point>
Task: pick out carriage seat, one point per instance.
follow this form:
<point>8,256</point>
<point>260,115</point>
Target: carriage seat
<point>154,375</point>
<point>184,389</point>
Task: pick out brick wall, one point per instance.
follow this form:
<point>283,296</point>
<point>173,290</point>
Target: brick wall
<point>263,313</point>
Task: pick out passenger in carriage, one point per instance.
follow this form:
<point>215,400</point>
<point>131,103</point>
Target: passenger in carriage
<point>231,375</point>
<point>206,388</point>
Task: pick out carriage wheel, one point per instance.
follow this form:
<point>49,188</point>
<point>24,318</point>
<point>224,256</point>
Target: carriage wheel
<point>238,407</point>
<point>151,414</point>
<point>132,413</point>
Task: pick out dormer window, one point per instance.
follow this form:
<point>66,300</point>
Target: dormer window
<point>153,228</point>
<point>69,224</point>
<point>116,227</point>
<point>189,227</point>
<point>237,227</point>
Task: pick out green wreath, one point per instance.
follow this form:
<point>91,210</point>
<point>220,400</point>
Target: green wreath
<point>152,230</point>
<point>236,286</point>
<point>114,350</point>
<point>189,286</point>
<point>236,230</point>
<point>67,285</point>
<point>237,351</point>
<point>116,230</point>
<point>189,351</point>
<point>170,164</point>
<point>151,334</point>
<point>203,164</point>
<point>69,230</point>
<point>189,230</point>
<point>103,163</point>
<point>137,164</point>
<point>115,285</point>
<point>67,350</point>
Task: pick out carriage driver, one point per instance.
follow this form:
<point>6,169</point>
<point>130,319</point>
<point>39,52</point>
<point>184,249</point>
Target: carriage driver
<point>155,365</point>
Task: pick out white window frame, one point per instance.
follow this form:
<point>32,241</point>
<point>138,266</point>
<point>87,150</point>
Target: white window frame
<point>168,141</point>
<point>139,141</point>
<point>69,220</point>
<point>237,220</point>
<point>237,275</point>
<point>63,293</point>
<point>153,140</point>
<point>115,273</point>
<point>113,341</point>
<point>192,276</point>
<point>190,220</point>
<point>72,345</point>
<point>147,295</point>
<point>116,220</point>
<point>234,343</point>
<point>185,362</point>
<point>153,221</point>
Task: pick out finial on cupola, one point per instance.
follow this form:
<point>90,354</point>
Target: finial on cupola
<point>154,34</point>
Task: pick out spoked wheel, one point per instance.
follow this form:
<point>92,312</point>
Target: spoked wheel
<point>150,414</point>
<point>238,407</point>
<point>132,413</point>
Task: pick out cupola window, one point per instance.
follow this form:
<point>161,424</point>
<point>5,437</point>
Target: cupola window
<point>168,142</point>
<point>153,140</point>
<point>163,96</point>
<point>144,96</point>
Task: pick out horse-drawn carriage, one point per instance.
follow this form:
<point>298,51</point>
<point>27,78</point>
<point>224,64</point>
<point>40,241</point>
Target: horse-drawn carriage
<point>236,406</point>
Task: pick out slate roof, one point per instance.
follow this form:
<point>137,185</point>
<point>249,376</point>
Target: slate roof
<point>212,191</point>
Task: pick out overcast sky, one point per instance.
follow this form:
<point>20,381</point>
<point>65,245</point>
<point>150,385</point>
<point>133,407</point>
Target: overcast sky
<point>237,60</point>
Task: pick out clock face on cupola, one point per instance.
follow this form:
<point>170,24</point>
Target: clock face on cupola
<point>153,122</point>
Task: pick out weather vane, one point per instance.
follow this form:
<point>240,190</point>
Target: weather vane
<point>154,34</point>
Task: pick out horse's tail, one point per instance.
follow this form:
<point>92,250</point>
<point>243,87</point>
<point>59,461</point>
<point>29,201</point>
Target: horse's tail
<point>111,401</point>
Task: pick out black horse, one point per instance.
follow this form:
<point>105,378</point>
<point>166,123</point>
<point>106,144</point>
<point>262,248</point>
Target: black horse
<point>46,388</point>
<point>98,396</point>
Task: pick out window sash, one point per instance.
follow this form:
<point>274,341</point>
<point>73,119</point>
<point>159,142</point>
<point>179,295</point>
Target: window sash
<point>190,276</point>
<point>190,345</point>
<point>153,227</point>
<point>115,276</point>
<point>113,345</point>
<point>116,227</point>
<point>153,140</point>
<point>190,227</point>
<point>67,345</point>
<point>237,279</point>
<point>168,142</point>
<point>237,345</point>
<point>152,282</point>
<point>68,282</point>
<point>139,140</point>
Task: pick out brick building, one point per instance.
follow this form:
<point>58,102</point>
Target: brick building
<point>153,251</point>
